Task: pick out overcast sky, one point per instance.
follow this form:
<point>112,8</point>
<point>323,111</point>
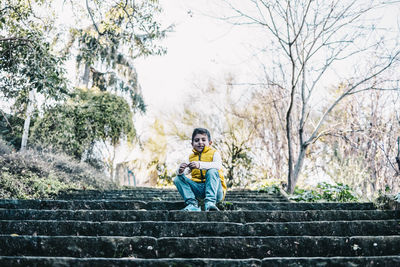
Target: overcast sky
<point>199,48</point>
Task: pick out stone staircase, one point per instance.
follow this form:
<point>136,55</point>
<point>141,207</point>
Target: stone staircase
<point>144,227</point>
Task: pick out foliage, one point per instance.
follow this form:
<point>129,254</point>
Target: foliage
<point>305,195</point>
<point>40,174</point>
<point>115,37</point>
<point>165,177</point>
<point>89,116</point>
<point>153,158</point>
<point>4,148</point>
<point>236,153</point>
<point>105,38</point>
<point>270,189</point>
<point>325,192</point>
<point>338,192</point>
<point>29,65</point>
<point>11,129</point>
<point>27,59</point>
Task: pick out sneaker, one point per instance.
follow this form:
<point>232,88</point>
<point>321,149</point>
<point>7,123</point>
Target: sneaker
<point>191,207</point>
<point>209,206</point>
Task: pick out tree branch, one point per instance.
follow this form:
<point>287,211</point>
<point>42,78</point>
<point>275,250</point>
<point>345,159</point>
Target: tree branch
<point>353,87</point>
<point>92,18</point>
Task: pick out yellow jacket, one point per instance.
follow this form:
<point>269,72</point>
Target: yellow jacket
<point>207,155</point>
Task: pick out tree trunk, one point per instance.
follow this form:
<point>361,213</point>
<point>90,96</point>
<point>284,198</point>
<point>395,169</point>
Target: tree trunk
<point>28,115</point>
<point>85,76</point>
<point>297,169</point>
<point>291,182</point>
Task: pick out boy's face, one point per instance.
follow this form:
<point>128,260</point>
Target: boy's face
<point>200,141</point>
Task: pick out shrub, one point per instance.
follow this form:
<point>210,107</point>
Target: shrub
<point>325,192</point>
<point>270,189</point>
<point>4,148</point>
<point>39,174</point>
<point>338,192</point>
<point>305,195</point>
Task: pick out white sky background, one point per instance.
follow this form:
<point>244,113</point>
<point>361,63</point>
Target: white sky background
<point>199,48</point>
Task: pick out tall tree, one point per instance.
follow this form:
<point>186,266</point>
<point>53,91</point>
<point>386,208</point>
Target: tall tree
<point>102,36</point>
<point>28,64</point>
<point>86,118</point>
<point>117,32</point>
<point>310,42</point>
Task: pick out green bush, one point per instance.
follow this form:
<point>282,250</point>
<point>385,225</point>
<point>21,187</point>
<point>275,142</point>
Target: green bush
<point>300,194</point>
<point>4,148</point>
<point>39,174</point>
<point>325,192</point>
<point>338,193</point>
<point>270,189</point>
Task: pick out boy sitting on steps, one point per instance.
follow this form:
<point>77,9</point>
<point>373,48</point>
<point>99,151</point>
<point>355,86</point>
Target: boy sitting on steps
<point>207,181</point>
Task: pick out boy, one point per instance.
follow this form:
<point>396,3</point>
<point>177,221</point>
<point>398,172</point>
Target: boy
<point>207,180</point>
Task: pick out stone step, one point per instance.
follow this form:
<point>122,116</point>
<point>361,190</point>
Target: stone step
<point>163,198</point>
<point>225,216</point>
<point>155,190</point>
<point>389,261</point>
<point>199,247</point>
<point>172,205</point>
<point>159,192</point>
<point>194,229</point>
<point>204,262</point>
<point>167,195</point>
<point>170,198</point>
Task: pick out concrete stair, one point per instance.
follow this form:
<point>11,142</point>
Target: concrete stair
<point>145,227</point>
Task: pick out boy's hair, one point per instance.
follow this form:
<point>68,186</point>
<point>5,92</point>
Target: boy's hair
<point>201,131</point>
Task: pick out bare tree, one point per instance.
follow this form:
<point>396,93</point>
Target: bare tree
<point>361,150</point>
<point>311,42</point>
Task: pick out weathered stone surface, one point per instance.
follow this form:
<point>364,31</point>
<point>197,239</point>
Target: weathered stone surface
<point>389,261</point>
<point>226,216</point>
<point>109,262</point>
<point>172,205</point>
<point>198,247</point>
<point>260,247</point>
<point>166,262</point>
<point>194,229</point>
<point>78,246</point>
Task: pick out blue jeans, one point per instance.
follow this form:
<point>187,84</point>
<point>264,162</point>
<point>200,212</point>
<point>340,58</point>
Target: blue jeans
<point>210,190</point>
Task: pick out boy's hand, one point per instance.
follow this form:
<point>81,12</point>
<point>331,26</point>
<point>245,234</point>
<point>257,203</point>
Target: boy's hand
<point>182,167</point>
<point>194,165</point>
